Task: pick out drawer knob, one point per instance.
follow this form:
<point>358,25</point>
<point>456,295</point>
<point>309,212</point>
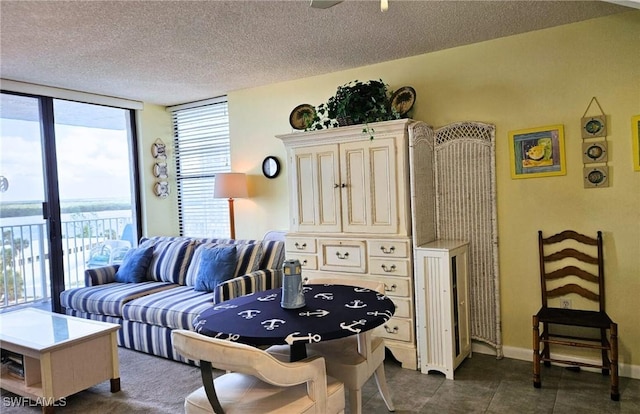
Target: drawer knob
<point>342,256</point>
<point>389,250</point>
<point>304,263</point>
<point>392,289</point>
<point>300,246</point>
<point>389,269</point>
<point>393,330</point>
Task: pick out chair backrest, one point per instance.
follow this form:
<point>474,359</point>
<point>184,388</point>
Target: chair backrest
<point>571,263</point>
<point>245,359</point>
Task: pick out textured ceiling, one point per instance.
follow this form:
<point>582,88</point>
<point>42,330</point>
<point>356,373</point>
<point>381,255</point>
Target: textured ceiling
<point>171,52</point>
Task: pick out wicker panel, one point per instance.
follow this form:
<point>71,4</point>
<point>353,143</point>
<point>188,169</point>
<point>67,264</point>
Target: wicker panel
<point>423,208</point>
<point>466,209</point>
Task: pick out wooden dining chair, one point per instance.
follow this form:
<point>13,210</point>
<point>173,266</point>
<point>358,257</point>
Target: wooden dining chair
<point>572,280</point>
<point>255,381</point>
<point>354,359</point>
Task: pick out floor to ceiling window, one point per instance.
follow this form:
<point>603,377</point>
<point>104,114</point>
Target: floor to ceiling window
<point>68,194</point>
<point>202,149</point>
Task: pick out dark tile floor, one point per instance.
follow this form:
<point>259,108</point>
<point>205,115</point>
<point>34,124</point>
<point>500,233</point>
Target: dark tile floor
<point>485,385</point>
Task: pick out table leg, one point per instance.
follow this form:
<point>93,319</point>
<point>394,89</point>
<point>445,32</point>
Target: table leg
<point>297,352</point>
<point>115,384</point>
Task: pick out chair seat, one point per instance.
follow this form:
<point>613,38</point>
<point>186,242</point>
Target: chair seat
<point>264,398</point>
<point>575,317</point>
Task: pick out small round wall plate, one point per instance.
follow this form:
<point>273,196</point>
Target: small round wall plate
<point>403,99</point>
<point>161,189</point>
<point>271,167</point>
<point>302,116</point>
<point>594,152</point>
<point>594,126</point>
<point>596,177</point>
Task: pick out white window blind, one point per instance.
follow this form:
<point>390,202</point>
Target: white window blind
<point>202,149</point>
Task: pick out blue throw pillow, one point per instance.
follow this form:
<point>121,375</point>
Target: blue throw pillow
<point>216,266</point>
<point>134,265</point>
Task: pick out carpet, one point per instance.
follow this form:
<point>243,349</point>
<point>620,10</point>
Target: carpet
<point>149,384</point>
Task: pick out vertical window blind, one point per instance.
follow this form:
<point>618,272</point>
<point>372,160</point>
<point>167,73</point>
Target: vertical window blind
<point>201,149</point>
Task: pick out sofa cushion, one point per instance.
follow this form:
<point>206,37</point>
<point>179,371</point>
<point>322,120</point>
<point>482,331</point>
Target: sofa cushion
<point>248,258</point>
<point>216,265</point>
<point>134,265</point>
<point>171,258</point>
<point>109,299</point>
<point>175,308</point>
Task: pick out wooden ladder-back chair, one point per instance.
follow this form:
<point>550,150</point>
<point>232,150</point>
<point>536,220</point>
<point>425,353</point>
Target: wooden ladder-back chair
<point>572,272</point>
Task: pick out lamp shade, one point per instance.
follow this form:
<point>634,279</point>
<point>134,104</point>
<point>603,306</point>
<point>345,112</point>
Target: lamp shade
<point>230,185</point>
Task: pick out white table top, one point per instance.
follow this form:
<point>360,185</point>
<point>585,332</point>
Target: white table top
<point>41,330</point>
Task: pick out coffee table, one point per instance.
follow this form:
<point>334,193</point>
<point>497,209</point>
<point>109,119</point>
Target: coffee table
<point>62,354</point>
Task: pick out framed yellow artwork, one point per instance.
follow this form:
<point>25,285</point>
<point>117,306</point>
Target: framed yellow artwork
<point>635,136</point>
<point>537,152</point>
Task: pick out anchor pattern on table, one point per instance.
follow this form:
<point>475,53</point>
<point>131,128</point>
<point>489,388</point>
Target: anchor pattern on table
<point>306,289</point>
<point>249,313</point>
<point>350,326</point>
<point>198,325</point>
<point>319,313</point>
<point>291,338</point>
<point>271,324</point>
<point>356,304</point>
<point>360,290</point>
<point>230,337</point>
<point>386,314</point>
<point>268,298</point>
<point>324,296</point>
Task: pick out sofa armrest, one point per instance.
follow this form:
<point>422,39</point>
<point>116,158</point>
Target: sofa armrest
<point>100,275</point>
<point>257,281</point>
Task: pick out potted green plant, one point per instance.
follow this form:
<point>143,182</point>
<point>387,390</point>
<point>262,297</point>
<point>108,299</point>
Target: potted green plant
<point>354,103</point>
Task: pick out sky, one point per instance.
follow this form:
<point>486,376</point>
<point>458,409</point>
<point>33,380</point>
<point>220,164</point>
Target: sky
<point>92,162</point>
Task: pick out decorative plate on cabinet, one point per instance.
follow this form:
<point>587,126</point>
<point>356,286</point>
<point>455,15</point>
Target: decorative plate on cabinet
<point>403,99</point>
<point>302,116</point>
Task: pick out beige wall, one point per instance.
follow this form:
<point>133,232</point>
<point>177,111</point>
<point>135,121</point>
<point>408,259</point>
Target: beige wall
<point>159,214</point>
<point>535,79</point>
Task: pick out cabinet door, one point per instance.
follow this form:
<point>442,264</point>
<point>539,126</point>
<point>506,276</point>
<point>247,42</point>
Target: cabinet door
<point>369,187</point>
<point>316,195</point>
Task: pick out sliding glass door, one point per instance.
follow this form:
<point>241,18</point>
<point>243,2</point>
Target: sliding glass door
<point>68,195</point>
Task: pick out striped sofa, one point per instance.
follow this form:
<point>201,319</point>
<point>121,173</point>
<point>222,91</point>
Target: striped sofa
<point>148,311</point>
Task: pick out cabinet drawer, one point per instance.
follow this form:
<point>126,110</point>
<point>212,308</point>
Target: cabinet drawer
<point>342,255</point>
<point>389,248</point>
<point>396,286</point>
<point>301,244</point>
<point>403,307</point>
<point>307,261</point>
<point>389,267</point>
<point>395,328</point>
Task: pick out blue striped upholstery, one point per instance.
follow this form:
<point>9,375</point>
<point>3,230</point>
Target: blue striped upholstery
<point>171,258</point>
<point>149,311</point>
<point>243,285</point>
<point>174,308</point>
<point>100,275</point>
<point>272,254</point>
<point>108,299</point>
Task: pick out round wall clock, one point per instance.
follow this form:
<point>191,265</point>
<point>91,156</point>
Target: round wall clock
<point>271,167</point>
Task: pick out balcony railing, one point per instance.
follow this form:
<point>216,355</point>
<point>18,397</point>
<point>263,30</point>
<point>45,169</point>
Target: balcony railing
<point>24,276</point>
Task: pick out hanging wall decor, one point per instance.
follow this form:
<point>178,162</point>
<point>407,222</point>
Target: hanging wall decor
<point>537,152</point>
<point>594,151</point>
<point>594,126</point>
<point>159,152</point>
<point>635,144</point>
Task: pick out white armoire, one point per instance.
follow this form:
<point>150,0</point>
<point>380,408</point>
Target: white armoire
<point>351,212</point>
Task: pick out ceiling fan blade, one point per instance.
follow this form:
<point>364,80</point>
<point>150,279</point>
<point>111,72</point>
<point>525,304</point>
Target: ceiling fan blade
<point>323,4</point>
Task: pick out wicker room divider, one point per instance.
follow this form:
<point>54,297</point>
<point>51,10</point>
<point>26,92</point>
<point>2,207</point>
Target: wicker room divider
<point>464,185</point>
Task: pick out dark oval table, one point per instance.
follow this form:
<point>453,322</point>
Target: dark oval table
<point>330,312</point>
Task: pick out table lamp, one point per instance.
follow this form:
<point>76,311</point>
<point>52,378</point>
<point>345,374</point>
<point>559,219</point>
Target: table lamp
<point>230,186</point>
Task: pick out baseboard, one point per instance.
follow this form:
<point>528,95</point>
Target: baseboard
<point>523,354</point>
